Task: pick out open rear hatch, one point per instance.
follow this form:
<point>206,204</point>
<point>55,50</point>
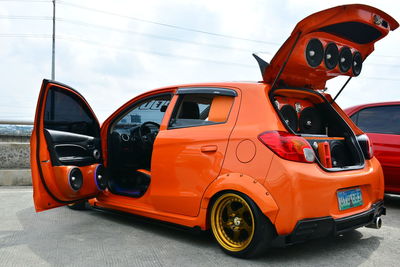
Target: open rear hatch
<point>327,44</point>
<point>322,46</point>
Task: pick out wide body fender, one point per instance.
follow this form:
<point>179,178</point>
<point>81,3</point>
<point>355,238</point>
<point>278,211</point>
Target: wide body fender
<point>246,185</point>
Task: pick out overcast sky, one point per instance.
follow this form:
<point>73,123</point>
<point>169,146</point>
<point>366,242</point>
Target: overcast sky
<point>110,51</point>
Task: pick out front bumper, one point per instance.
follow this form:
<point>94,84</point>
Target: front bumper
<point>324,226</point>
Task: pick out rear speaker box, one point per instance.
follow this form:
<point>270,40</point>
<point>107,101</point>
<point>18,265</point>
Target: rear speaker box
<point>331,56</point>
<point>314,52</point>
<point>345,59</point>
<point>289,114</point>
<point>310,121</point>
<point>357,63</point>
<point>100,177</point>
<point>75,178</point>
<point>339,153</point>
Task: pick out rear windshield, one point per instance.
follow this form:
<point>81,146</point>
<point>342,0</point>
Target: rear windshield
<point>356,32</point>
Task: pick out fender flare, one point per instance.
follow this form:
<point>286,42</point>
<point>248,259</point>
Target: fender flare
<point>246,185</point>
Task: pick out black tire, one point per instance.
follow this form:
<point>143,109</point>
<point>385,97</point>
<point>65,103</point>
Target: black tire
<point>257,241</point>
<point>81,205</point>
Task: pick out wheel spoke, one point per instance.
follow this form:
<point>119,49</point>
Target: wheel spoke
<point>241,210</point>
<point>236,235</point>
<point>246,227</point>
<point>229,208</point>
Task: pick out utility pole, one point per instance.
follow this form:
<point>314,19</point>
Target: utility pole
<point>53,52</point>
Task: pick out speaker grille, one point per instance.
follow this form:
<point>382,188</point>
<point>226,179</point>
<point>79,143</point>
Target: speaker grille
<point>75,179</point>
<point>331,57</point>
<point>339,154</point>
<point>289,114</point>
<point>100,177</point>
<point>310,121</point>
<point>345,59</point>
<point>357,63</point>
<point>314,52</point>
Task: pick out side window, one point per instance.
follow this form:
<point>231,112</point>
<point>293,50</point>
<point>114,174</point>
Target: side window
<point>151,109</point>
<point>201,109</point>
<point>384,119</point>
<point>65,111</point>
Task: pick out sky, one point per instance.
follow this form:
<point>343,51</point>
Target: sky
<point>111,51</point>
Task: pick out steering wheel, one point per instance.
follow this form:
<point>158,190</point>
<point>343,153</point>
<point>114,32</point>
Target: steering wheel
<point>147,139</point>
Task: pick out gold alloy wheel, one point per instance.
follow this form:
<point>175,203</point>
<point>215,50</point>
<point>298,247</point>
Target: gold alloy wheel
<point>232,222</point>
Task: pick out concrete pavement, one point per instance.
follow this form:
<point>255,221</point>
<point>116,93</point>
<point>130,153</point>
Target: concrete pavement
<point>63,237</point>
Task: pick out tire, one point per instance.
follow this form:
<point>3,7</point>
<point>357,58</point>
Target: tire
<point>239,226</point>
<point>81,205</point>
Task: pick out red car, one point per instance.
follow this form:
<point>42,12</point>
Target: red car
<point>381,122</point>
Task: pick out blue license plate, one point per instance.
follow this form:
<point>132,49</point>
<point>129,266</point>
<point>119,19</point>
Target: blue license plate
<point>349,198</point>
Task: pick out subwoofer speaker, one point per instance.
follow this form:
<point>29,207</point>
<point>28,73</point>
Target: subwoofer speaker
<point>357,63</point>
<point>289,114</point>
<point>331,56</point>
<point>100,177</point>
<point>339,154</point>
<point>314,52</point>
<point>310,121</point>
<point>345,59</point>
<point>75,178</point>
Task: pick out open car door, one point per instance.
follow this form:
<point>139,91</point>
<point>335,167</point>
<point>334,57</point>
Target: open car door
<point>327,44</point>
<point>65,149</point>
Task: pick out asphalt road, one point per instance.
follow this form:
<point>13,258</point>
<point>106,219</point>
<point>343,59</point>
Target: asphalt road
<point>63,237</point>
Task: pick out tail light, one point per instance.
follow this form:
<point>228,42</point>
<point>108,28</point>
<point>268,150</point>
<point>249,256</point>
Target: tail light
<point>288,146</point>
<point>366,146</point>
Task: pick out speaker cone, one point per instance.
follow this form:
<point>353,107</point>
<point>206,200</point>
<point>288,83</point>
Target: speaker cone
<point>100,177</point>
<point>289,114</point>
<point>310,121</point>
<point>331,56</point>
<point>339,154</point>
<point>345,59</point>
<point>357,63</point>
<point>75,179</point>
<point>314,52</point>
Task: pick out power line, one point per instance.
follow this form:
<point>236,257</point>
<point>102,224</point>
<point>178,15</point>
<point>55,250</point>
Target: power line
<point>165,24</point>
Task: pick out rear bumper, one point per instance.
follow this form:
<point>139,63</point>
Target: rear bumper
<point>327,226</point>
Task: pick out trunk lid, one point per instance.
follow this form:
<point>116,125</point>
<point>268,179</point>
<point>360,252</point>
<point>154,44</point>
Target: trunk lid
<point>327,44</point>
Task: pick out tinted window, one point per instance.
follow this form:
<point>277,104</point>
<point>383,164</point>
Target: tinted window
<point>151,109</point>
<point>65,111</point>
<point>384,119</point>
<point>201,109</point>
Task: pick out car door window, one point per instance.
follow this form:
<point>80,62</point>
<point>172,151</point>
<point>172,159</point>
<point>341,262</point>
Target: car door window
<point>66,112</point>
<point>151,109</point>
<point>383,119</point>
<point>201,109</point>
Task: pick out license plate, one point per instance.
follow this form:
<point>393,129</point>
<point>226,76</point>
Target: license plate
<point>349,198</point>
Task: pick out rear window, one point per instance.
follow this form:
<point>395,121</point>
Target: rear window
<point>201,109</point>
<point>356,32</point>
<point>384,119</point>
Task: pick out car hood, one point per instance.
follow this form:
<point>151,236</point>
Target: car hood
<point>356,26</point>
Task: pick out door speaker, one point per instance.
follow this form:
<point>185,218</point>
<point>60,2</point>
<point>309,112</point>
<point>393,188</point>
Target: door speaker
<point>357,63</point>
<point>314,52</point>
<point>331,57</point>
<point>75,178</point>
<point>345,59</point>
<point>100,177</point>
<point>289,114</point>
<point>339,154</point>
<point>310,121</point>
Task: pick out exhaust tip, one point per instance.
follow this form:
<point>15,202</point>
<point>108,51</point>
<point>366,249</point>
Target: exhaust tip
<point>377,223</point>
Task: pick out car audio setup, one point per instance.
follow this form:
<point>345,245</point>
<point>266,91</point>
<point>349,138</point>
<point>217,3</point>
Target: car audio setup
<point>347,60</point>
<point>75,178</point>
<point>314,52</point>
<point>100,177</point>
<point>310,121</point>
<point>289,114</point>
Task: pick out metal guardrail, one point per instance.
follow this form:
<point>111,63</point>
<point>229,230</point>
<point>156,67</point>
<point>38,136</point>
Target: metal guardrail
<point>16,122</point>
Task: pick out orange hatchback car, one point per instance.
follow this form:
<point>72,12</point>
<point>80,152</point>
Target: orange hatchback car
<point>271,162</point>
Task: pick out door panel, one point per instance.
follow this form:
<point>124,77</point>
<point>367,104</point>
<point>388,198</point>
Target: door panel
<point>65,148</point>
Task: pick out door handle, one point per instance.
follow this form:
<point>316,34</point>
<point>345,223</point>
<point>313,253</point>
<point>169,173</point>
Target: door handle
<point>211,148</point>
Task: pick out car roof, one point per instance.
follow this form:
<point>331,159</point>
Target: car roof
<point>353,109</point>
